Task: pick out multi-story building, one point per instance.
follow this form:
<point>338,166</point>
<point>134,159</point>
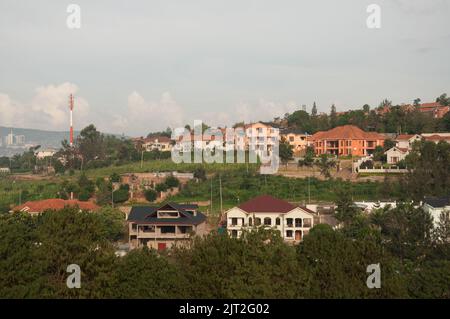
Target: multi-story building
<point>346,140</point>
<point>162,227</point>
<point>293,222</point>
<point>9,140</point>
<point>20,139</point>
<point>297,139</point>
<point>261,137</point>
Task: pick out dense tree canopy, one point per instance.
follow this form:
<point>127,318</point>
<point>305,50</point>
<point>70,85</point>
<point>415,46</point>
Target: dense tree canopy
<point>35,253</point>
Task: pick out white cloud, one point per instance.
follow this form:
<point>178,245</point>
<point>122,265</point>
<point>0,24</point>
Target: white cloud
<point>263,110</point>
<point>48,109</point>
<point>145,116</point>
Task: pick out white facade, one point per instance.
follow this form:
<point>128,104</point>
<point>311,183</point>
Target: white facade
<point>293,225</point>
<point>45,153</point>
<point>407,143</point>
<point>395,155</point>
<point>261,138</point>
<point>435,212</point>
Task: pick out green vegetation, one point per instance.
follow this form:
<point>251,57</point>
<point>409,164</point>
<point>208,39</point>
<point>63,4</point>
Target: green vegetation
<point>328,263</point>
<point>396,120</point>
<point>239,186</point>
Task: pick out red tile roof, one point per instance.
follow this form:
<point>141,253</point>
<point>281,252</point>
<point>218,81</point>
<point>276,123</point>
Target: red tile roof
<point>160,139</point>
<point>404,136</point>
<point>437,137</point>
<point>432,104</point>
<point>347,132</point>
<point>266,204</point>
<point>55,204</point>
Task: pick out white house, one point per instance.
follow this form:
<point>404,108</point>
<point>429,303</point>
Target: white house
<point>396,154</point>
<point>45,153</point>
<point>407,140</point>
<point>435,206</point>
<point>293,222</point>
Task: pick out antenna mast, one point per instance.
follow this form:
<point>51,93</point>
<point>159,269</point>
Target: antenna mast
<point>71,118</point>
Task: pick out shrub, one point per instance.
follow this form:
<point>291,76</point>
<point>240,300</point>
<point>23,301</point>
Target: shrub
<point>84,195</point>
<point>150,195</point>
<point>121,195</point>
<point>161,187</point>
<point>172,181</point>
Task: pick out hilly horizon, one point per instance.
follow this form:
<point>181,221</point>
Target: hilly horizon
<point>33,137</point>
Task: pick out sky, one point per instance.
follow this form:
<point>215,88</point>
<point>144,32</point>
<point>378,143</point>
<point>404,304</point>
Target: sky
<point>140,66</point>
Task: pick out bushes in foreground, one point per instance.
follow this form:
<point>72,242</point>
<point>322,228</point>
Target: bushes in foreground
<point>35,252</point>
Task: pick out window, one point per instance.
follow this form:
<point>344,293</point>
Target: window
<point>234,221</point>
<point>298,222</point>
<point>250,221</point>
<point>289,233</point>
<point>267,221</point>
<point>234,233</point>
<point>168,230</point>
<point>185,229</point>
<point>289,222</point>
<point>277,221</point>
<point>257,221</point>
<point>291,138</point>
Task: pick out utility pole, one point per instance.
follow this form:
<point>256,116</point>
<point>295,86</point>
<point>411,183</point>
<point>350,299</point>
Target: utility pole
<point>112,195</point>
<point>211,200</point>
<point>142,158</point>
<point>309,189</point>
<point>220,189</point>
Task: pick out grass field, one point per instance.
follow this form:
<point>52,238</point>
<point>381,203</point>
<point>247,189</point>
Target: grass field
<point>239,183</point>
<point>166,165</point>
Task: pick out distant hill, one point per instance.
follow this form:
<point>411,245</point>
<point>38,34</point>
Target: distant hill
<point>32,137</point>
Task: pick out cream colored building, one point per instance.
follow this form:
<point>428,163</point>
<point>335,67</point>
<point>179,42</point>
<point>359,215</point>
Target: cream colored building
<point>261,137</point>
<point>297,139</point>
<point>293,222</point>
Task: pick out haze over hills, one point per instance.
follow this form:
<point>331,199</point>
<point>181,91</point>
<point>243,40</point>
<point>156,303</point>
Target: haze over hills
<point>31,137</point>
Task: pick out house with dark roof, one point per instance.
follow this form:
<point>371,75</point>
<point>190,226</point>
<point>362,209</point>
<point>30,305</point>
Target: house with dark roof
<point>435,206</point>
<point>292,221</point>
<point>164,226</point>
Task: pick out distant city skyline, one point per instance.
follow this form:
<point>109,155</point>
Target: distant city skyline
<point>146,65</point>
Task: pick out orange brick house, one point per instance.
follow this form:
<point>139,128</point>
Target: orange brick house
<point>40,206</point>
<point>346,140</point>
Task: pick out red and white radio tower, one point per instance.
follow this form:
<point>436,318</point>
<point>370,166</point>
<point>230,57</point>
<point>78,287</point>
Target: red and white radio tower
<point>71,118</point>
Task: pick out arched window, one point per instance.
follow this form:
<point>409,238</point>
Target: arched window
<point>278,221</point>
<point>267,221</point>
<point>257,221</point>
<point>250,221</point>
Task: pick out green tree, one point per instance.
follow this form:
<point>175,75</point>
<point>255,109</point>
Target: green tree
<point>285,151</point>
<point>325,165</point>
<point>150,195</point>
<point>172,181</point>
